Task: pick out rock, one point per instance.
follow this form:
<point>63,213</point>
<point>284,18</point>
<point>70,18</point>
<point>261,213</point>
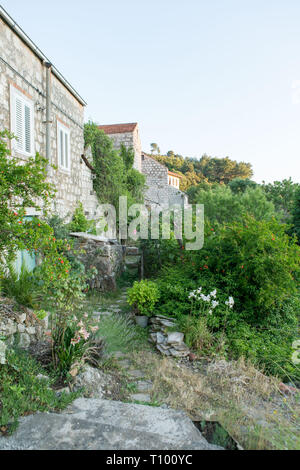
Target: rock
<point>2,352</point>
<point>22,317</point>
<point>31,330</point>
<point>95,424</point>
<point>137,374</point>
<point>176,353</point>
<point>21,328</point>
<point>24,340</point>
<point>42,377</point>
<point>62,390</point>
<point>144,386</point>
<point>175,337</point>
<point>165,352</point>
<point>144,397</point>
<point>287,389</point>
<point>160,338</point>
<point>93,381</point>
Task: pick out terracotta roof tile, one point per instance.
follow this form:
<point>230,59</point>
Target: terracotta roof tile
<point>118,128</point>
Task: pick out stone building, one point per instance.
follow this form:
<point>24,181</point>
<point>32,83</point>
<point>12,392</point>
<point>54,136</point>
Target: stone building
<point>46,113</point>
<point>128,135</point>
<point>162,185</point>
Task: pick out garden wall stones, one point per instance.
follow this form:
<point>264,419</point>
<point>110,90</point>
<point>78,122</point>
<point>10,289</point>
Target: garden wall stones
<point>19,327</point>
<point>106,255</point>
<point>168,343</point>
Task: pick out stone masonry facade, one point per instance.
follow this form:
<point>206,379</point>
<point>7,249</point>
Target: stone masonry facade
<point>159,192</point>
<point>128,135</point>
<point>22,71</point>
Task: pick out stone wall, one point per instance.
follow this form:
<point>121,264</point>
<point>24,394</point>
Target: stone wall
<point>130,140</point>
<point>159,193</point>
<point>22,69</point>
<point>107,256</point>
<point>19,326</point>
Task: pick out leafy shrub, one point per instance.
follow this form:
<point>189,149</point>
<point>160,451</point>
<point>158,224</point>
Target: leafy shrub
<point>23,288</point>
<point>196,333</point>
<point>143,297</point>
<point>80,223</point>
<point>255,261</point>
<point>296,215</point>
<point>221,205</point>
<point>22,392</point>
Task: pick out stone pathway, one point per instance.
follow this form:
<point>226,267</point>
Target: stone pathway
<point>136,377</point>
<point>97,424</point>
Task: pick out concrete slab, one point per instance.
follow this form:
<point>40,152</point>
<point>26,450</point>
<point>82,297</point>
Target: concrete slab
<point>96,424</point>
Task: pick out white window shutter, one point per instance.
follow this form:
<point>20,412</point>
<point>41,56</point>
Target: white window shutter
<point>27,128</point>
<point>61,146</point>
<point>66,151</point>
<point>19,123</point>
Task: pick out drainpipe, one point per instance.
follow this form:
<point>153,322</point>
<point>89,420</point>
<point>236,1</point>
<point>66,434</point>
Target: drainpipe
<point>48,121</point>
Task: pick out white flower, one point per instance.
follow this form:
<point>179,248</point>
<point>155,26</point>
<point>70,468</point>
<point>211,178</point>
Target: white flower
<point>210,312</point>
<point>213,293</point>
<point>214,303</point>
<point>230,302</point>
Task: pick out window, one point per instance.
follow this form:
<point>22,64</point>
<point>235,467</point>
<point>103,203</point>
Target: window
<point>63,146</point>
<point>22,121</point>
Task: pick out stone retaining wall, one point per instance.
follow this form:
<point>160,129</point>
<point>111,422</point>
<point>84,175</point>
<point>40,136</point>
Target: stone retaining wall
<point>20,327</point>
<point>106,255</point>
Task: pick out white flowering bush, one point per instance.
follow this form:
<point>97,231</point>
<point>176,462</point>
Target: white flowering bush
<point>214,308</point>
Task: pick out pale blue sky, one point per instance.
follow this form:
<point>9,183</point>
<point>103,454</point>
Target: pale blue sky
<point>220,77</point>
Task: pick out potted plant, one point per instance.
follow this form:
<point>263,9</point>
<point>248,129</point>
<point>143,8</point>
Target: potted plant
<point>142,297</point>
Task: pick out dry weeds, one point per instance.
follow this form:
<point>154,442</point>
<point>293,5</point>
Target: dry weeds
<point>245,401</point>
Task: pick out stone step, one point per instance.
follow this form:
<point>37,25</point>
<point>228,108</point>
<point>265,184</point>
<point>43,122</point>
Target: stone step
<point>132,260</point>
<point>132,250</point>
<point>97,424</point>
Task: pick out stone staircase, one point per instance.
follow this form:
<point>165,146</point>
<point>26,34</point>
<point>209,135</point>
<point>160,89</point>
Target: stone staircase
<point>96,424</point>
<point>132,260</point>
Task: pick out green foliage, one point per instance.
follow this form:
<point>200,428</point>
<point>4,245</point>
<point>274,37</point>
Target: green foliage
<point>23,288</point>
<point>143,296</point>
<point>238,185</point>
<point>21,185</point>
<point>255,260</point>
<point>221,205</point>
<point>22,392</point>
<point>206,169</point>
<point>60,227</point>
<point>80,223</point>
<point>197,334</point>
<point>283,195</point>
<point>120,334</point>
<point>159,253</point>
<point>296,215</point>
<point>114,175</point>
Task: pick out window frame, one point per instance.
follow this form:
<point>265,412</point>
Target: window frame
<point>66,133</point>
<point>15,94</point>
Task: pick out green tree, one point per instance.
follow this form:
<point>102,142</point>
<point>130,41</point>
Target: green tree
<point>283,195</point>
<point>155,148</point>
<point>296,215</point>
<point>22,185</point>
<point>222,206</point>
<point>113,172</point>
